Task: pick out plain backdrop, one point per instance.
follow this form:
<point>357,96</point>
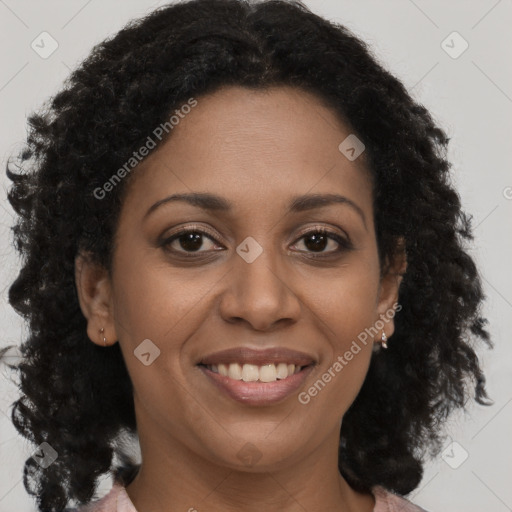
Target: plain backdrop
<point>469,94</point>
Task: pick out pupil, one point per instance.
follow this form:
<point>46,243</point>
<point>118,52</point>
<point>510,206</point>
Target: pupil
<point>318,241</point>
<point>192,242</point>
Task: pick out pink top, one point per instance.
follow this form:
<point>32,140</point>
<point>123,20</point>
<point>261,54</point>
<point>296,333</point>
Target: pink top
<point>117,500</point>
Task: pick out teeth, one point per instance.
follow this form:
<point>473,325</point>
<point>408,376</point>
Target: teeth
<point>268,373</point>
<point>282,371</point>
<point>253,373</point>
<point>235,371</point>
<point>250,373</point>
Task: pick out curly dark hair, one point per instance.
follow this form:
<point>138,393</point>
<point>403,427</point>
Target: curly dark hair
<point>78,397</point>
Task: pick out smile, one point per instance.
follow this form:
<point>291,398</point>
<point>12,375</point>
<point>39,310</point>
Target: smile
<point>257,392</point>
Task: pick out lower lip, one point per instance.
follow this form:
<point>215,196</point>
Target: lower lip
<point>258,393</point>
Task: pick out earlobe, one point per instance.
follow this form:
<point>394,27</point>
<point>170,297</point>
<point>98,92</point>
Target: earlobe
<point>94,295</point>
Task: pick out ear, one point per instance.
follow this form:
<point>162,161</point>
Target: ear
<point>389,287</point>
<point>95,298</point>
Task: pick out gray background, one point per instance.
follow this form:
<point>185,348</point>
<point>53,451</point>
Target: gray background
<point>470,96</point>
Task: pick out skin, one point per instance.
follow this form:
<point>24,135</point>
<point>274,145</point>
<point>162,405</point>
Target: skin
<point>257,149</point>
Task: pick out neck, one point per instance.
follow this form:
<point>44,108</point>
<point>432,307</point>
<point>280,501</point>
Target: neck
<point>173,477</point>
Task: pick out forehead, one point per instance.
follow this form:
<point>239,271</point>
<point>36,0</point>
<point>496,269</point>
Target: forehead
<point>254,147</point>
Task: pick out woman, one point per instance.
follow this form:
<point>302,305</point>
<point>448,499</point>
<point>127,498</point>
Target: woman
<point>241,245</point>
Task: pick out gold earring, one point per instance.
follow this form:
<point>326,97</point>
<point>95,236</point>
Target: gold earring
<point>383,340</point>
<point>104,339</point>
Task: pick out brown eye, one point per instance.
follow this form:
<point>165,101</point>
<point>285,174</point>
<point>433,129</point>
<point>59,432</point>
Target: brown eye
<point>317,241</point>
<point>187,240</point>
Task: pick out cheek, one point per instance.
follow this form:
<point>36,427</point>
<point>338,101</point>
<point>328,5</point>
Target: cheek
<point>347,307</point>
<point>154,301</point>
<point>347,299</point>
<point>154,314</point>
<point>342,371</point>
<point>164,305</point>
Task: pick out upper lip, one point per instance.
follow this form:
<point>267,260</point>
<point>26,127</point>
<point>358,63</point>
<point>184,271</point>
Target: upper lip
<point>258,357</point>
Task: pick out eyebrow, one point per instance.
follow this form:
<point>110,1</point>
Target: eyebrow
<point>212,202</point>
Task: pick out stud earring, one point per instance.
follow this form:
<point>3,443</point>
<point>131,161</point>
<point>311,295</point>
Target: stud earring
<point>104,339</point>
<point>383,340</point>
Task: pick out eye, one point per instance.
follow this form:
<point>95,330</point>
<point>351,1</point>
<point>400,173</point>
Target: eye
<point>317,240</point>
<point>188,241</point>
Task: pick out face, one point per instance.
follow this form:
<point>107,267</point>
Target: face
<point>260,266</point>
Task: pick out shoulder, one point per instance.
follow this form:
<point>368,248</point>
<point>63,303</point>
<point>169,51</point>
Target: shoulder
<point>116,500</point>
<point>386,501</point>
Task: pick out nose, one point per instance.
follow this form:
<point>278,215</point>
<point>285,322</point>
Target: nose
<point>260,293</point>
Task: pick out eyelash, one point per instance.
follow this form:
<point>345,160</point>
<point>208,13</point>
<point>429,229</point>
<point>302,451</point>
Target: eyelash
<point>345,244</point>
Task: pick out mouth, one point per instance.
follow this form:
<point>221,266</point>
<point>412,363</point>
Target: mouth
<point>257,377</point>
